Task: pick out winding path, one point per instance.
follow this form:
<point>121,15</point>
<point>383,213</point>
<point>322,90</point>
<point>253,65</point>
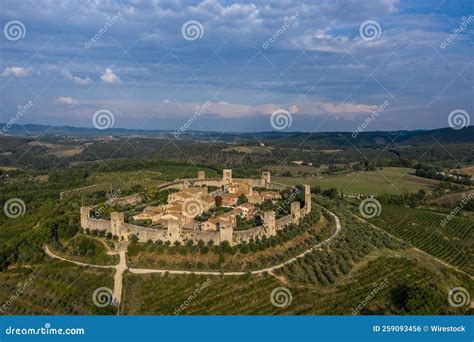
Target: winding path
<point>52,255</point>
<point>121,267</point>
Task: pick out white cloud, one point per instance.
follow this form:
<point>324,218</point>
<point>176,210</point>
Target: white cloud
<point>293,109</point>
<point>77,79</point>
<point>66,100</point>
<point>16,71</point>
<point>110,77</point>
<point>169,109</point>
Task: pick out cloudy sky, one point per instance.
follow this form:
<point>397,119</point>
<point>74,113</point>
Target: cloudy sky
<point>229,65</point>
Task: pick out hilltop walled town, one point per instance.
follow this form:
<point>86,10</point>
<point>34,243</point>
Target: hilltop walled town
<point>176,221</point>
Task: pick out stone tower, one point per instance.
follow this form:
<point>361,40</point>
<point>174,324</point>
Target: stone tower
<point>116,223</point>
<point>269,225</point>
<point>201,175</point>
<point>174,231</point>
<point>307,198</point>
<point>85,216</point>
<point>227,176</point>
<point>295,211</point>
<point>226,230</point>
<point>265,178</point>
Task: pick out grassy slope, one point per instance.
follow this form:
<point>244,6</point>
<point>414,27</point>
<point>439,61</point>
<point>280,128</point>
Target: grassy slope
<point>387,180</point>
<point>452,243</point>
<point>57,288</point>
<point>317,282</point>
<point>99,257</point>
<point>154,294</point>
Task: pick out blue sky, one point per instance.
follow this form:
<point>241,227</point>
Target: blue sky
<point>248,60</point>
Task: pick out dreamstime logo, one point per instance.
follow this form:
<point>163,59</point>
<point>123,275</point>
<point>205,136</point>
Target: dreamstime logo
<point>14,207</point>
<point>46,330</point>
<point>281,119</point>
<point>370,30</point>
<point>375,113</point>
<point>109,21</point>
<point>192,30</point>
<point>14,30</point>
<point>464,23</point>
<point>199,110</point>
<point>376,289</point>
<point>21,288</point>
<point>465,200</point>
<point>370,207</point>
<point>109,202</point>
<point>286,24</point>
<point>281,297</point>
<point>103,119</point>
<point>458,297</point>
<point>102,297</point>
<point>199,288</point>
<point>294,194</point>
<point>458,119</point>
<point>21,110</point>
<point>192,207</point>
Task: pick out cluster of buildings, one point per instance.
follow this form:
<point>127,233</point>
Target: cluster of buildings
<point>185,205</point>
<point>182,207</point>
<point>177,220</point>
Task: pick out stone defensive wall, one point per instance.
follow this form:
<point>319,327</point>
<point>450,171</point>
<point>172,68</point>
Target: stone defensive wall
<point>241,236</point>
<point>126,200</point>
<point>144,233</point>
<point>96,224</point>
<point>174,232</point>
<point>202,182</point>
<point>284,221</point>
<point>196,235</point>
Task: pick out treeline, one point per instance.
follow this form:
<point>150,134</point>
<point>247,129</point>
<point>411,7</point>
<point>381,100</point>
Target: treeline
<point>382,152</point>
<point>438,173</point>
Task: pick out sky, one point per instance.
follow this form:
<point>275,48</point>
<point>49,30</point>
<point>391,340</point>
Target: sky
<point>237,66</point>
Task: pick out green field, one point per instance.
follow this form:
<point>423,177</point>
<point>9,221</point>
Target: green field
<point>87,249</point>
<point>388,180</point>
<point>56,288</point>
<point>123,176</point>
<point>162,295</point>
<point>332,280</point>
<point>452,243</point>
<point>162,172</point>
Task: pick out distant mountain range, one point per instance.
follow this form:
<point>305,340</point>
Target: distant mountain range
<point>415,137</point>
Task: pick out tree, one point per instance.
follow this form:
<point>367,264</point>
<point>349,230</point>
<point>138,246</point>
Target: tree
<point>418,300</point>
<point>218,201</point>
<point>242,199</point>
<point>421,195</point>
<point>221,258</point>
<point>133,238</point>
<point>423,301</point>
<point>331,193</point>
